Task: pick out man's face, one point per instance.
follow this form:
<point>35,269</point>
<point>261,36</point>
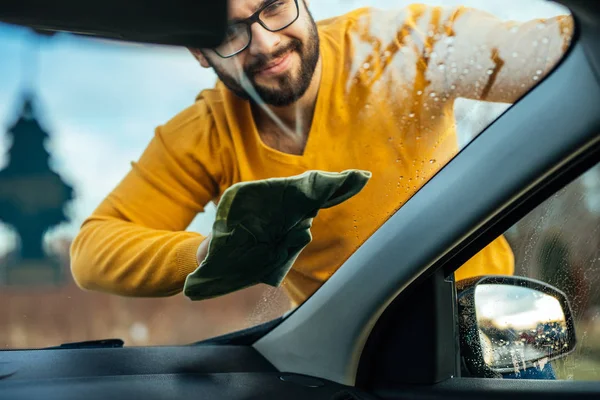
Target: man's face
<point>277,67</point>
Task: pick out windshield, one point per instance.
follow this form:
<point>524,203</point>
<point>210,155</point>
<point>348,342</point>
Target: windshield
<point>167,195</point>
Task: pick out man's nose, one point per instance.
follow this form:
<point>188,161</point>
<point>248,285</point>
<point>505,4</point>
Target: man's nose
<point>263,41</point>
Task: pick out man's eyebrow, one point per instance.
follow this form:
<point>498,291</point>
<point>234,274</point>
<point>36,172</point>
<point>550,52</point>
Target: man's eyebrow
<point>258,7</point>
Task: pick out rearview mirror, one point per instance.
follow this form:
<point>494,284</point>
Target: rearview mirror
<point>176,22</point>
<point>510,324</point>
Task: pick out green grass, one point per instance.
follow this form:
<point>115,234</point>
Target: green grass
<point>577,368</point>
<point>584,363</point>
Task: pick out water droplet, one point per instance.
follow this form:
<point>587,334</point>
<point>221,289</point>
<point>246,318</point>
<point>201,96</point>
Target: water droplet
<point>539,72</point>
<point>397,160</point>
<point>453,87</point>
<point>432,161</point>
<point>545,40</point>
<point>515,54</point>
<point>420,92</point>
<point>535,78</point>
<point>433,117</point>
<point>387,53</point>
<point>367,106</point>
<point>490,71</point>
<point>450,39</point>
<point>411,115</point>
<point>441,67</point>
<point>466,71</point>
<point>401,177</point>
<point>436,99</point>
<point>433,54</point>
<point>366,65</point>
<point>432,94</point>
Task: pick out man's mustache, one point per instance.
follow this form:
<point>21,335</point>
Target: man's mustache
<point>262,60</point>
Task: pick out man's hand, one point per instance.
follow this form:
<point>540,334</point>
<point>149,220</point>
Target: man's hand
<point>261,227</point>
<point>203,249</point>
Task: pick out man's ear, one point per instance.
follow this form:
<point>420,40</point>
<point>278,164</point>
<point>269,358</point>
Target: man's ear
<point>198,55</point>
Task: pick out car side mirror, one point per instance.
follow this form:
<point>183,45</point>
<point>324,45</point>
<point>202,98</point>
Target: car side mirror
<point>510,324</point>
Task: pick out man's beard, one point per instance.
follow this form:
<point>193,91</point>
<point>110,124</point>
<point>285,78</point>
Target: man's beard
<point>288,89</point>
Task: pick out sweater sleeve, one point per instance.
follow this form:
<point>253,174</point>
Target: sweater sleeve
<point>134,243</point>
<point>451,52</point>
<point>486,58</point>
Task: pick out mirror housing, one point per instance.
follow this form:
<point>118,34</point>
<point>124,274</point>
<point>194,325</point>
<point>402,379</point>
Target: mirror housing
<point>186,23</point>
<point>509,324</point>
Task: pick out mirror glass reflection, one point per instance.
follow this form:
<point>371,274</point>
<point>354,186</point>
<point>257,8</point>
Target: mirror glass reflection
<point>518,326</point>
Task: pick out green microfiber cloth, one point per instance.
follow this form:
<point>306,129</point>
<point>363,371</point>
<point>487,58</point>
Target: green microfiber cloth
<point>262,226</point>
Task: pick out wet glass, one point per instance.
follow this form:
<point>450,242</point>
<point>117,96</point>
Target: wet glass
<point>559,243</point>
<point>403,90</point>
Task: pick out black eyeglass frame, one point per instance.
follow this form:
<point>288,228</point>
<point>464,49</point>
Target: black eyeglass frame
<point>255,18</point>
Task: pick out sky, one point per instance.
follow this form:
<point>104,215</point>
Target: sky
<point>516,306</point>
<point>102,100</point>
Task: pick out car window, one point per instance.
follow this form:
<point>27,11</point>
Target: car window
<point>558,243</point>
<point>118,160</point>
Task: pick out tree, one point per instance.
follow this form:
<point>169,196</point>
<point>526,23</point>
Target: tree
<point>32,195</point>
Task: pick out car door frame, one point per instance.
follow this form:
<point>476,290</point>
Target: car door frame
<point>539,145</point>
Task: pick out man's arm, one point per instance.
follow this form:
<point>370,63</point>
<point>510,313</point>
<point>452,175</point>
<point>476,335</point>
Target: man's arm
<point>134,244</point>
<point>484,58</point>
<point>450,52</point>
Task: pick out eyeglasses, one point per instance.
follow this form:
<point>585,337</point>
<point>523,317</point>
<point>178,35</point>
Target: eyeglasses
<point>274,16</point>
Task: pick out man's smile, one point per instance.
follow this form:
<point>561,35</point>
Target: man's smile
<point>276,67</point>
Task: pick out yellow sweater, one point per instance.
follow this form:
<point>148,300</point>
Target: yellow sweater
<point>385,105</point>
